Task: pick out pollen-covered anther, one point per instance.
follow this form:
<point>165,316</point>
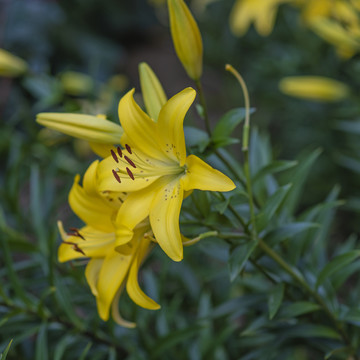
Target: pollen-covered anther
<point>116,176</point>
<point>130,161</point>
<point>119,151</point>
<point>128,148</point>
<point>75,247</point>
<point>75,232</point>
<point>130,173</point>
<point>114,155</point>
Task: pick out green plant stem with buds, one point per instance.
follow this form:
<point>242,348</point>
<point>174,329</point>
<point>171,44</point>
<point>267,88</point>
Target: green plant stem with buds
<point>252,232</point>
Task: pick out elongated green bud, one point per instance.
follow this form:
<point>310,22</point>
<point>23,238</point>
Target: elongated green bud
<point>186,38</point>
<point>152,91</point>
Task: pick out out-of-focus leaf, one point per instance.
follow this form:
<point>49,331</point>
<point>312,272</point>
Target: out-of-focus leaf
<point>284,232</point>
<point>311,331</point>
<point>238,257</point>
<point>196,137</point>
<point>274,167</point>
<point>3,355</point>
<point>298,176</point>
<point>346,351</point>
<point>299,308</point>
<point>41,352</point>
<point>337,264</point>
<point>271,206</point>
<point>61,346</point>
<point>226,125</point>
<point>85,351</point>
<point>353,127</point>
<point>175,337</point>
<point>275,299</point>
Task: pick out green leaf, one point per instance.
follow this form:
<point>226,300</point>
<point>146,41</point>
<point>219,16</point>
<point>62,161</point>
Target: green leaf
<point>238,258</point>
<point>196,137</point>
<point>346,350</point>
<point>271,206</point>
<point>174,338</point>
<point>4,354</point>
<point>61,346</point>
<point>274,167</point>
<point>275,299</point>
<point>311,331</point>
<point>85,351</point>
<point>337,264</point>
<point>299,308</point>
<point>226,125</point>
<point>41,352</point>
<point>284,232</point>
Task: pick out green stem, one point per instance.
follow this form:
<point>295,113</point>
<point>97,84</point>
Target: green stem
<point>298,277</point>
<point>203,104</point>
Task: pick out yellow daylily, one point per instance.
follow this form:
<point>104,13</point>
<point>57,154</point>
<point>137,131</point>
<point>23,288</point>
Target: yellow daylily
<point>261,12</point>
<point>11,65</point>
<point>186,38</point>
<point>315,88</point>
<point>152,91</point>
<point>154,168</point>
<point>108,271</point>
<point>100,133</point>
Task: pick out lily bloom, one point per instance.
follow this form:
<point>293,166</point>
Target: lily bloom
<point>154,169</point>
<point>108,271</point>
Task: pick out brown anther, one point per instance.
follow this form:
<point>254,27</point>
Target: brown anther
<point>114,155</point>
<point>76,233</point>
<point>116,176</point>
<point>119,151</point>
<point>130,173</point>
<point>130,161</point>
<point>77,249</point>
<point>128,148</point>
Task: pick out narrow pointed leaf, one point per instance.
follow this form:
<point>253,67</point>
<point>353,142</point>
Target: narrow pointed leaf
<point>275,299</point>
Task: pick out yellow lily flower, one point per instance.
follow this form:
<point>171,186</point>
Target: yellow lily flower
<point>152,91</point>
<point>315,88</point>
<point>99,132</point>
<point>108,271</point>
<point>186,38</point>
<point>11,65</point>
<point>261,12</point>
<point>154,168</point>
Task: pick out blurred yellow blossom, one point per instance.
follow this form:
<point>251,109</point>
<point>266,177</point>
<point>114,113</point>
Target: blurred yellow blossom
<point>75,83</point>
<point>315,88</point>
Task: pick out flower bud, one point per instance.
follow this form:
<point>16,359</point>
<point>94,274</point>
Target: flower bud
<point>75,83</point>
<point>152,91</point>
<point>315,88</point>
<point>11,65</point>
<point>186,38</point>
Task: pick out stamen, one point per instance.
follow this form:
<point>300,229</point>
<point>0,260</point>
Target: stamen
<point>119,151</point>
<point>114,155</point>
<point>76,233</point>
<point>128,148</point>
<point>129,161</point>
<point>130,173</point>
<point>116,176</point>
<point>75,247</point>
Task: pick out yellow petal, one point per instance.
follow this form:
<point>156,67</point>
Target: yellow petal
<point>86,127</point>
<point>201,176</point>
<point>139,128</point>
<point>164,218</point>
<point>116,314</point>
<point>96,244</point>
<point>107,181</point>
<point>240,18</point>
<point>93,210</point>
<point>75,83</point>
<point>314,88</point>
<point>92,274</point>
<point>111,277</point>
<point>170,125</point>
<point>186,38</point>
<point>133,211</point>
<point>11,65</point>
<point>103,150</point>
<point>132,284</point>
<point>89,180</point>
<point>152,91</point>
